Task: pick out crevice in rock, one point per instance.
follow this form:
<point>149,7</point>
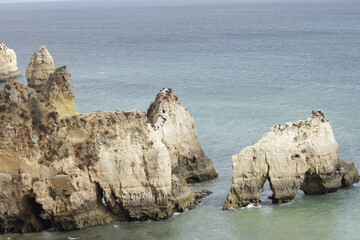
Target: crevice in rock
<point>268,191</point>
<point>118,208</point>
<point>267,196</point>
<point>112,204</point>
<point>101,200</point>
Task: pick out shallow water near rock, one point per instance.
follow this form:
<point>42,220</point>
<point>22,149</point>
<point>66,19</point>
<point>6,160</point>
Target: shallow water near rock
<point>238,69</point>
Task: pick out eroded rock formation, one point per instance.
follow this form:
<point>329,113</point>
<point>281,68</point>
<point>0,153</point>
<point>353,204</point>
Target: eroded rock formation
<point>293,156</point>
<point>70,171</point>
<point>8,63</point>
<point>40,67</point>
<point>176,128</point>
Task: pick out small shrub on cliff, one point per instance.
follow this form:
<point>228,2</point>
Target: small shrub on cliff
<point>80,166</point>
<point>43,128</point>
<point>53,115</point>
<point>3,107</point>
<point>150,109</point>
<point>60,143</point>
<point>14,104</point>
<point>36,112</point>
<point>24,115</point>
<point>52,193</point>
<point>66,154</point>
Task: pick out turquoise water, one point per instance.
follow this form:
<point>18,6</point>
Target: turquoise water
<point>239,69</point>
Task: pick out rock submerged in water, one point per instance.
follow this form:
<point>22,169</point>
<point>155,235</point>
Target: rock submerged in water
<point>40,67</point>
<point>8,64</point>
<point>69,171</point>
<point>294,156</point>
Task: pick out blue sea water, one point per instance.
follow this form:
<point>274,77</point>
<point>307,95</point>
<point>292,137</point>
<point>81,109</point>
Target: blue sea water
<point>238,68</point>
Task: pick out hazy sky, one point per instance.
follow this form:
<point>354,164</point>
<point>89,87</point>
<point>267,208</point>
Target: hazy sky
<point>11,1</point>
<point>182,2</point>
<point>169,1</point>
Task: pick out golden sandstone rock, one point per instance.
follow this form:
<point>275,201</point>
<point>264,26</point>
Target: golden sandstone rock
<point>68,170</point>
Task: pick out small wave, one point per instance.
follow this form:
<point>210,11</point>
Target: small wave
<point>103,199</point>
<point>116,226</point>
<point>356,184</point>
<point>251,205</point>
<point>73,238</point>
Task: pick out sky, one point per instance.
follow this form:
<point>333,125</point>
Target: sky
<point>169,1</point>
<point>13,1</point>
<point>187,2</point>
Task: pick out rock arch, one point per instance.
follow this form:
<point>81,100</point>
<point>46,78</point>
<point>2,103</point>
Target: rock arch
<point>293,156</point>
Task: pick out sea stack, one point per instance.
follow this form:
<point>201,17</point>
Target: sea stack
<point>40,67</point>
<point>292,157</point>
<point>67,170</point>
<point>8,64</point>
<point>175,126</point>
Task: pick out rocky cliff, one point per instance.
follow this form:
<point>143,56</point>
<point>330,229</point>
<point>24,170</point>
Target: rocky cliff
<point>69,171</point>
<point>293,156</point>
<point>40,67</point>
<point>8,63</point>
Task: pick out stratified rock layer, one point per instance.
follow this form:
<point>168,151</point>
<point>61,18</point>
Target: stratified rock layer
<point>40,67</point>
<point>176,128</point>
<point>293,156</point>
<point>8,63</point>
<point>69,171</point>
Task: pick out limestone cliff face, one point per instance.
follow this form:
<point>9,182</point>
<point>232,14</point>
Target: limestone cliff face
<point>8,63</point>
<point>40,67</point>
<point>293,156</point>
<point>69,171</point>
<point>176,129</point>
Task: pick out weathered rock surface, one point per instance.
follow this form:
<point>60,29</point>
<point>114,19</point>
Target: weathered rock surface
<point>69,171</point>
<point>40,67</point>
<point>8,63</point>
<point>293,156</point>
<point>59,91</point>
<point>176,128</point>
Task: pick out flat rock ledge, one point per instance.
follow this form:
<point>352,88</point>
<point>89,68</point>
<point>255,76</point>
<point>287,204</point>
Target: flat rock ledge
<point>66,170</point>
<point>8,64</point>
<point>292,157</point>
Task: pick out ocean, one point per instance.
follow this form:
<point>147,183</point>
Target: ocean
<point>238,68</point>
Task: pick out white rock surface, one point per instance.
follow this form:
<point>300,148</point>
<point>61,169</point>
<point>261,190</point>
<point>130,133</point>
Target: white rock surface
<point>175,127</point>
<point>293,156</point>
<point>40,67</point>
<point>8,63</point>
